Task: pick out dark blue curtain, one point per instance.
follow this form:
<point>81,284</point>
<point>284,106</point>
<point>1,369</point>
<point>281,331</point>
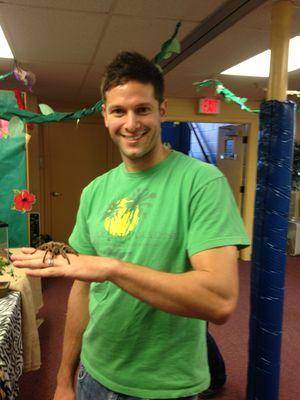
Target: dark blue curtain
<point>177,135</point>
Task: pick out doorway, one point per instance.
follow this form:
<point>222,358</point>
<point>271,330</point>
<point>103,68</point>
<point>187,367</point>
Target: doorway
<point>221,144</point>
<point>73,157</point>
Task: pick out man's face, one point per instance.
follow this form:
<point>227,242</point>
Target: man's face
<point>133,116</point>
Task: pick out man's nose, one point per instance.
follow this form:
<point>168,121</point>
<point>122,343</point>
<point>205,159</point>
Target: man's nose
<point>132,122</point>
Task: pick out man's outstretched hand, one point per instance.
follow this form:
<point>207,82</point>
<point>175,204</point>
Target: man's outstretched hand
<point>81,267</point>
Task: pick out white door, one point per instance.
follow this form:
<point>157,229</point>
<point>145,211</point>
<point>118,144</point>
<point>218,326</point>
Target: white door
<point>231,158</point>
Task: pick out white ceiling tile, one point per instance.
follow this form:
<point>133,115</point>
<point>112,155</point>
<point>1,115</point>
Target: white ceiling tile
<point>193,10</point>
<point>93,77</point>
<point>66,43</point>
<point>6,65</point>
<point>144,35</point>
<point>102,6</point>
<point>46,94</point>
<point>49,35</point>
<point>259,18</point>
<point>233,46</point>
<point>89,96</point>
<point>58,74</point>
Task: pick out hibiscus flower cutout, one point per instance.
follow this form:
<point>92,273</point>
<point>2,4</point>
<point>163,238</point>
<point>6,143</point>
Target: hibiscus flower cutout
<point>3,134</point>
<point>23,200</point>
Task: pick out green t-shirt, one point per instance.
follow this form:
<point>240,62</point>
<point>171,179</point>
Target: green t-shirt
<point>157,218</point>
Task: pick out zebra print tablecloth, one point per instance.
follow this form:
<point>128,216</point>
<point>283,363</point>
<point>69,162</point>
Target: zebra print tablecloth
<point>11,358</point>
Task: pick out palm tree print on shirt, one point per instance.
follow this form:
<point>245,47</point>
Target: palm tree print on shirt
<point>123,215</point>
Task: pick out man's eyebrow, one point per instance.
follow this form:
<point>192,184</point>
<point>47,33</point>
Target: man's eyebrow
<point>116,106</point>
<point>113,106</point>
<point>144,105</point>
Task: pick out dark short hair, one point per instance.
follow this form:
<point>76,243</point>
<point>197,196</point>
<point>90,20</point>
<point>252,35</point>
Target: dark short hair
<point>129,66</point>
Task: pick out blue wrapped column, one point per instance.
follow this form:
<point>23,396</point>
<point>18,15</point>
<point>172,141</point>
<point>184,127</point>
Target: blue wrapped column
<point>274,172</point>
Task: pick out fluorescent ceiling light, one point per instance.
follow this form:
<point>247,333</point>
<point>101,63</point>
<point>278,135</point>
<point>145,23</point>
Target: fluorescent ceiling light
<point>5,51</point>
<point>259,65</point>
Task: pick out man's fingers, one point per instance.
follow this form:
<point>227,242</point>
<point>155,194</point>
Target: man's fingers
<point>26,256</point>
<point>30,263</point>
<point>44,273</point>
<point>28,250</point>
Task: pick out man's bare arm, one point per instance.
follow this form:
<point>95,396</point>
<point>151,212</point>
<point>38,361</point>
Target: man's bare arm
<point>76,322</point>
<point>207,292</point>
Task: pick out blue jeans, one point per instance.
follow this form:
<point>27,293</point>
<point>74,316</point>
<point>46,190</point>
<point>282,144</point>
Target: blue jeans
<point>89,389</point>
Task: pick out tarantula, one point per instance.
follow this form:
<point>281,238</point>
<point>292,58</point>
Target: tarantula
<point>56,249</point>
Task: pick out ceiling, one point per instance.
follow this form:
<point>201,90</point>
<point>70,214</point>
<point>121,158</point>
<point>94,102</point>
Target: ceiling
<point>67,43</point>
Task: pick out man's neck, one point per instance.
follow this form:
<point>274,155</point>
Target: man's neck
<point>146,161</point>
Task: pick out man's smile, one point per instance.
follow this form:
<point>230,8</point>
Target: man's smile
<point>134,137</point>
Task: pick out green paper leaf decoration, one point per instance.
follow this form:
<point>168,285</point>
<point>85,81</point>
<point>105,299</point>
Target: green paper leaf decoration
<point>168,48</point>
<point>2,77</point>
<point>15,127</point>
<point>173,46</point>
<point>207,82</point>
<point>226,93</point>
<point>45,109</point>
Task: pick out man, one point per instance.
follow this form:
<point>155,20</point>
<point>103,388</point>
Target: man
<point>157,238</point>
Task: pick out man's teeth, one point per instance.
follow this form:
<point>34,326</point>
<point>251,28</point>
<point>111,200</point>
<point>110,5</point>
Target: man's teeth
<point>135,137</point>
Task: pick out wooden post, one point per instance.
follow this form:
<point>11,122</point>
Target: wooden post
<point>280,36</point>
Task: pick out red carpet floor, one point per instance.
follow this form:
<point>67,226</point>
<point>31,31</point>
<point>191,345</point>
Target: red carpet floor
<point>232,339</point>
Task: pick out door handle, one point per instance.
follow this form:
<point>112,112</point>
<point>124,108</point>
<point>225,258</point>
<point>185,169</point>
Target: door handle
<point>55,194</point>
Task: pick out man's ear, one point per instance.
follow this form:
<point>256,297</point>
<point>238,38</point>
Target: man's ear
<point>163,109</point>
<point>104,114</point>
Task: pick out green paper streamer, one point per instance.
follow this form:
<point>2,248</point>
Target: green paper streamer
<point>2,77</point>
<point>228,95</point>
<point>28,116</point>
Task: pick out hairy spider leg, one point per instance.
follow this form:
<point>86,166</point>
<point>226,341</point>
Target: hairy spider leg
<point>65,256</point>
<point>45,255</point>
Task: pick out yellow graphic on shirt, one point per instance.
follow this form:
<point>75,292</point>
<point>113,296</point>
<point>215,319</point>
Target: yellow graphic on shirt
<point>122,216</point>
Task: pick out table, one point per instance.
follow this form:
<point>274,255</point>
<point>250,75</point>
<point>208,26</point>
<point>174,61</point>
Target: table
<point>11,351</point>
<point>32,300</point>
<point>31,296</point>
<point>24,300</point>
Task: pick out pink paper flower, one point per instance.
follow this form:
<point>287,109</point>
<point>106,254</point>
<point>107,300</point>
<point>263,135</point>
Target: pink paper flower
<point>3,134</point>
<point>3,129</point>
<point>23,200</point>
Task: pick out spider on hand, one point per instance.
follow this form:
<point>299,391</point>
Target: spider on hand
<point>56,249</point>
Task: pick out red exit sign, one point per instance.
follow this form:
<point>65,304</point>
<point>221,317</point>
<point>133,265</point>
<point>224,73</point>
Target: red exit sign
<point>209,106</point>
